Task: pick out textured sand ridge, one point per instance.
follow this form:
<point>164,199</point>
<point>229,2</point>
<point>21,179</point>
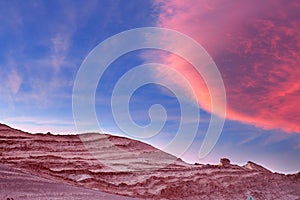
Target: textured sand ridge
<point>146,172</point>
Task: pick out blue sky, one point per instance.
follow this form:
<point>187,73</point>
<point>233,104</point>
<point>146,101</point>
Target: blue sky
<point>43,44</point>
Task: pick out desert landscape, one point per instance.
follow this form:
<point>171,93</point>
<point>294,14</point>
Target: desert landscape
<point>158,99</point>
<point>46,166</point>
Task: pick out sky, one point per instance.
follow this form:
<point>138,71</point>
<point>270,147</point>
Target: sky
<point>255,45</point>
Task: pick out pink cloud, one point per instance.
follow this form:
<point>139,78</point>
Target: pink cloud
<point>14,82</point>
<point>59,47</point>
<point>256,46</point>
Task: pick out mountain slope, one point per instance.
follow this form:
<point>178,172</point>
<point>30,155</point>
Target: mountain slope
<point>15,184</point>
<point>131,168</point>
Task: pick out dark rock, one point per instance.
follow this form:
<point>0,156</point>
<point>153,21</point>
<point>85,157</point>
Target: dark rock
<point>224,162</point>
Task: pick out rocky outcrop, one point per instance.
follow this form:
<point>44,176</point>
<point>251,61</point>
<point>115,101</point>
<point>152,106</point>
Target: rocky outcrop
<point>253,166</point>
<point>224,162</point>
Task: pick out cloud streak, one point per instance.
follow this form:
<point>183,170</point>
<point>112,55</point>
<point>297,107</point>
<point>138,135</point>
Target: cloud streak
<point>60,46</point>
<point>37,125</point>
<point>256,47</point>
<point>14,82</point>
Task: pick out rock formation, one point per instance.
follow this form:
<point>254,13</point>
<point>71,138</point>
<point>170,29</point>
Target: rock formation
<point>146,171</point>
<point>224,162</point>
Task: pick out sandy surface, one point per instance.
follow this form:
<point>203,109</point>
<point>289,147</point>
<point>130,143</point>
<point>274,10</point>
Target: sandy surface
<point>21,186</point>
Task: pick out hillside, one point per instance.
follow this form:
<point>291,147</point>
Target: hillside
<point>131,168</point>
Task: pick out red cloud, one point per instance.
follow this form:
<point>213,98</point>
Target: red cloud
<point>256,46</point>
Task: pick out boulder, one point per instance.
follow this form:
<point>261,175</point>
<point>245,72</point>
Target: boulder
<point>224,162</point>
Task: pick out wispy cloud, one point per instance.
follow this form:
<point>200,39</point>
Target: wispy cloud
<point>34,124</point>
<point>255,51</point>
<point>38,121</point>
<point>14,81</point>
<point>59,49</point>
<point>37,62</point>
<point>276,137</point>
